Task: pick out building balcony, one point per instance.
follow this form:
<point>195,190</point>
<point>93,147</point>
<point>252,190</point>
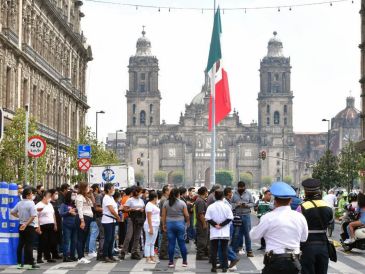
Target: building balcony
<point>51,134</point>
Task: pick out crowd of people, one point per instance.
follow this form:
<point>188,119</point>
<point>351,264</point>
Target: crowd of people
<point>86,222</point>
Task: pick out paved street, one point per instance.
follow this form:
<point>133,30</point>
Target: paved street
<point>352,263</point>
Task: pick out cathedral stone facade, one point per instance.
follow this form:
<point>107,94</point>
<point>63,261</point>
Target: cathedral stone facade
<point>43,61</point>
<point>186,146</point>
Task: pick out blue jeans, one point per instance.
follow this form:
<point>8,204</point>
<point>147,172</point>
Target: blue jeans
<point>69,240</point>
<point>109,236</point>
<point>244,231</point>
<point>191,229</point>
<point>94,232</point>
<point>176,231</point>
<point>231,254</point>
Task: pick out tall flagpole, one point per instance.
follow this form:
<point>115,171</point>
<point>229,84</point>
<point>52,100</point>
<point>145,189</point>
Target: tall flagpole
<point>212,86</point>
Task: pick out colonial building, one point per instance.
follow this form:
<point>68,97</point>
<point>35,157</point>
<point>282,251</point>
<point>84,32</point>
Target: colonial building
<point>186,146</point>
<point>116,142</point>
<point>43,60</point>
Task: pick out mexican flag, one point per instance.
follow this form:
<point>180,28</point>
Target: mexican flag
<point>222,98</point>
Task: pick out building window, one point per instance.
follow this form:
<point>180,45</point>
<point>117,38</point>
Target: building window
<point>285,121</point>
<point>143,76</point>
<point>278,163</point>
<point>276,118</point>
<point>268,121</point>
<point>285,109</point>
<point>268,109</point>
<point>278,154</point>
<point>276,77</point>
<point>134,108</point>
<point>151,108</point>
<point>142,118</point>
<point>151,120</point>
<point>8,87</point>
<point>142,88</point>
<point>134,121</point>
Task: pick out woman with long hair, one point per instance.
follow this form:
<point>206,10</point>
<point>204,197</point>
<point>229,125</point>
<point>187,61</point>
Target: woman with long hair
<point>84,217</point>
<point>151,227</point>
<point>109,221</point>
<point>68,213</point>
<point>175,219</point>
<point>135,208</point>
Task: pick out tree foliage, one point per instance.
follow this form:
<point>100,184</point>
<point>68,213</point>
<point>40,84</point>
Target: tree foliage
<point>99,155</point>
<point>139,177</point>
<point>327,171</point>
<point>12,150</point>
<point>288,179</point>
<point>350,162</point>
<point>177,177</point>
<point>160,176</point>
<point>224,177</point>
<point>266,180</point>
<point>247,178</point>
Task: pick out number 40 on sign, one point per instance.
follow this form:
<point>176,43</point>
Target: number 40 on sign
<point>36,146</point>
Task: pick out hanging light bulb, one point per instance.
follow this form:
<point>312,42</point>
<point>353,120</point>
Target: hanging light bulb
<point>202,11</point>
<point>136,7</point>
<point>169,9</point>
<point>159,9</point>
<point>245,11</point>
<point>223,11</point>
<point>331,4</point>
<point>290,8</point>
<point>279,9</point>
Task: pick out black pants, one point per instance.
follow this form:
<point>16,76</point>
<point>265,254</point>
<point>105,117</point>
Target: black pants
<point>281,265</point>
<point>82,235</point>
<point>26,238</point>
<point>202,241</point>
<point>213,254</point>
<point>314,258</point>
<point>47,240</point>
<point>122,232</point>
<point>109,230</point>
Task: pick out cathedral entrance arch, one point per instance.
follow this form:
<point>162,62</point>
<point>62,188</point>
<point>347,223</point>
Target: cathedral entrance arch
<point>207,177</point>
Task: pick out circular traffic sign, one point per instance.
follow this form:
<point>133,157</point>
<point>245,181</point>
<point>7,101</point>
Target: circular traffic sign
<point>84,164</point>
<point>108,175</point>
<point>36,146</point>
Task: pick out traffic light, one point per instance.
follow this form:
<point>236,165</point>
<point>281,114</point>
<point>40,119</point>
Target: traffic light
<point>138,161</point>
<point>1,124</point>
<point>263,155</point>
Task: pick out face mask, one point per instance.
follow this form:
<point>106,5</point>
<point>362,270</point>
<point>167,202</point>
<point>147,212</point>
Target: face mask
<point>73,197</point>
<point>33,197</point>
<point>140,196</point>
<point>48,200</point>
<point>147,197</point>
<point>56,197</point>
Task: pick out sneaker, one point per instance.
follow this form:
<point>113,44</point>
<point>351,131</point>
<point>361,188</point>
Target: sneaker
<point>349,241</point>
<point>151,262</point>
<point>83,261</point>
<point>233,263</point>
<point>20,266</point>
<point>107,260</point>
<point>171,265</point>
<point>67,260</point>
<point>250,254</point>
<point>233,269</point>
<point>185,264</point>
<point>92,255</point>
<point>35,266</point>
<point>241,252</point>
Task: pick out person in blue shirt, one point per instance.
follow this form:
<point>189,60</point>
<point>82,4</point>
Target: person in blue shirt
<point>295,201</point>
<point>68,213</point>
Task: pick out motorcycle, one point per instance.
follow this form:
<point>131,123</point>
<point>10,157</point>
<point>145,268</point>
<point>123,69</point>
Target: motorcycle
<point>349,217</point>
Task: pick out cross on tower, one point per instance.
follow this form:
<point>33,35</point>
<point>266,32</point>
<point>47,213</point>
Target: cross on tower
<point>143,31</point>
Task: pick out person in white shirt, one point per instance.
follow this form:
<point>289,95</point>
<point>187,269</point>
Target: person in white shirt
<point>48,226</point>
<point>330,198</point>
<point>219,215</point>
<point>151,227</point>
<point>109,220</point>
<point>283,229</point>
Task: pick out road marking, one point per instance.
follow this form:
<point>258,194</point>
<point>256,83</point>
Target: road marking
<point>343,268</point>
<point>258,261</point>
<point>102,267</point>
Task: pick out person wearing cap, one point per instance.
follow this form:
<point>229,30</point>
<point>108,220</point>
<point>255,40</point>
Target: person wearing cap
<point>295,201</point>
<point>318,214</point>
<point>283,230</point>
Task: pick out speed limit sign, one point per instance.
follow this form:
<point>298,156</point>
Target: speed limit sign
<point>36,146</point>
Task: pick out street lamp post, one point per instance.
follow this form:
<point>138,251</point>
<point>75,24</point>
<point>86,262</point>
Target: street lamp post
<point>96,122</point>
<point>116,141</point>
<point>328,132</point>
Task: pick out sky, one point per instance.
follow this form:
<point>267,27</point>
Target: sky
<point>321,41</point>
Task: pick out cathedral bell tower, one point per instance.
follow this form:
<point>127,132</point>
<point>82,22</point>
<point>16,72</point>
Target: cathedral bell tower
<point>143,96</point>
<point>275,107</point>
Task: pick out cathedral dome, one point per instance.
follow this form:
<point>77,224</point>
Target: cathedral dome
<point>199,98</point>
<point>349,116</point>
<point>275,47</point>
<point>143,45</point>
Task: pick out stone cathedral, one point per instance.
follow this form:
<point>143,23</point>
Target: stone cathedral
<point>186,146</point>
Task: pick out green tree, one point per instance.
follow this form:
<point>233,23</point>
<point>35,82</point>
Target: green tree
<point>12,160</point>
<point>177,177</point>
<point>224,177</point>
<point>247,178</point>
<point>326,170</point>
<point>160,177</point>
<point>350,161</point>
<point>139,177</point>
<point>99,155</point>
<point>266,180</point>
<point>288,179</point>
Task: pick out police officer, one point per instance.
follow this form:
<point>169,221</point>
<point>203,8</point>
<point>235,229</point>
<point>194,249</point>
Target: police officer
<point>283,230</point>
<point>318,215</point>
